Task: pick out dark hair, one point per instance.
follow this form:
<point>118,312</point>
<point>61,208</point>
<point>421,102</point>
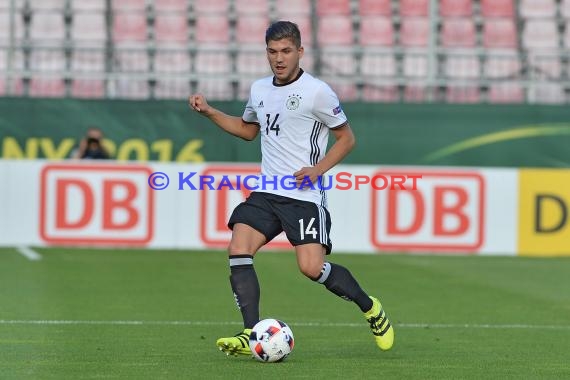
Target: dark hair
<point>283,29</point>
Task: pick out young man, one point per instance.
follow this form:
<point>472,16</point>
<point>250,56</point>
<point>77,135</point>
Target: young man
<point>294,112</point>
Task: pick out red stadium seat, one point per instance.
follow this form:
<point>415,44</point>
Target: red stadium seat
<point>171,89</point>
<point>87,88</point>
<point>414,32</point>
<point>308,62</point>
<point>463,94</point>
<point>47,61</point>
<point>306,29</point>
<point>91,5</point>
<point>16,88</point>
<point>378,65</point>
<point>46,88</point>
<point>415,65</point>
<point>462,66</point>
<point>253,63</point>
<point>212,6</point>
<point>244,88</point>
<point>540,34</point>
<point>131,89</point>
<point>215,89</point>
<point>537,8</point>
<point>335,30</point>
<point>376,31</point>
<point>375,7</point>
<point>565,10</point>
<point>500,33</point>
<point>384,93</point>
<point>88,61</point>
<point>458,33</point>
<point>5,26</point>
<point>455,8</point>
<point>131,61</point>
<point>88,29</point>
<point>18,4</point>
<point>506,93</point>
<point>212,29</point>
<point>48,5</point>
<point>212,61</point>
<point>415,94</point>
<point>47,28</point>
<point>497,8</point>
<point>260,7</point>
<point>128,5</point>
<point>333,7</point>
<point>545,65</point>
<point>129,27</point>
<point>251,29</point>
<point>414,8</point>
<point>338,62</point>
<point>502,64</point>
<point>345,89</point>
<point>172,62</point>
<point>293,7</point>
<point>551,93</point>
<point>170,5</point>
<point>171,28</point>
<point>17,60</point>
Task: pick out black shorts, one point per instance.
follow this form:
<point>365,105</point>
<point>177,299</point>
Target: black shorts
<point>303,222</point>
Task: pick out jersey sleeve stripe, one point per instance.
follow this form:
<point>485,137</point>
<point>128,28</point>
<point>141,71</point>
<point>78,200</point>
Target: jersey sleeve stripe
<point>250,122</point>
<point>340,125</point>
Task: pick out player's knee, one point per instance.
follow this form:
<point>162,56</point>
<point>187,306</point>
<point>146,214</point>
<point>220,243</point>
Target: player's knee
<point>311,271</point>
<point>237,249</point>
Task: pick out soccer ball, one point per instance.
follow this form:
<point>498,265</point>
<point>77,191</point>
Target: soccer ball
<point>271,340</point>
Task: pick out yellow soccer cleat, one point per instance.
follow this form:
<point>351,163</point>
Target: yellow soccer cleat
<point>380,325</point>
<point>235,345</point>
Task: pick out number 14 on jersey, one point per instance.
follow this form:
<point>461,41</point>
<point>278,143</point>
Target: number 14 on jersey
<point>272,125</point>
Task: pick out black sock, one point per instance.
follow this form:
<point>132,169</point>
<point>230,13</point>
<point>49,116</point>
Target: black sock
<point>246,288</point>
<point>340,281</point>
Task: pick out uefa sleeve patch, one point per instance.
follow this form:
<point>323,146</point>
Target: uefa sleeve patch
<point>337,110</point>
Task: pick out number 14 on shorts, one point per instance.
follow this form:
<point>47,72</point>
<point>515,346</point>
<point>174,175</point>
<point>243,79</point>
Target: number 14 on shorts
<point>307,231</point>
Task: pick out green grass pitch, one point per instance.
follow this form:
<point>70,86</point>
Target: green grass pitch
<point>150,314</point>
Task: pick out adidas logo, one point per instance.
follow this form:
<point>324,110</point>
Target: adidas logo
<point>260,105</point>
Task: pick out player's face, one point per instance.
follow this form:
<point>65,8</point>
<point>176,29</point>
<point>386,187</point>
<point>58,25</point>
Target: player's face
<point>284,58</point>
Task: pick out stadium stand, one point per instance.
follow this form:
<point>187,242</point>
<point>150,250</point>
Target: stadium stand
<point>456,8</point>
<point>414,8</point>
<point>171,5</point>
<point>293,7</point>
<point>498,51</point>
<point>375,7</point>
<point>497,8</point>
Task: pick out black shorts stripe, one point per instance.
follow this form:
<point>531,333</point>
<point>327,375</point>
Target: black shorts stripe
<point>324,236</point>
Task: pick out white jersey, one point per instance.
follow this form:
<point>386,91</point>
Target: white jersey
<point>294,121</point>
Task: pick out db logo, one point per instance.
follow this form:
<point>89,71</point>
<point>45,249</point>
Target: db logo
<point>99,205</point>
<point>217,205</point>
<point>445,213</point>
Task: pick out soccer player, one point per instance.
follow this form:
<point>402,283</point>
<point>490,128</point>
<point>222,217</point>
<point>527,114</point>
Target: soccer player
<point>293,112</point>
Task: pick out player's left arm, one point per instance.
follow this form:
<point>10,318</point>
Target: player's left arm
<point>344,143</point>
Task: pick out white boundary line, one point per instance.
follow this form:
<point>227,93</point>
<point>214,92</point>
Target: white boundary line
<point>29,253</point>
<point>301,324</point>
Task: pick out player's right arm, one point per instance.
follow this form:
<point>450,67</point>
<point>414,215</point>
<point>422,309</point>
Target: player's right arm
<point>231,124</point>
